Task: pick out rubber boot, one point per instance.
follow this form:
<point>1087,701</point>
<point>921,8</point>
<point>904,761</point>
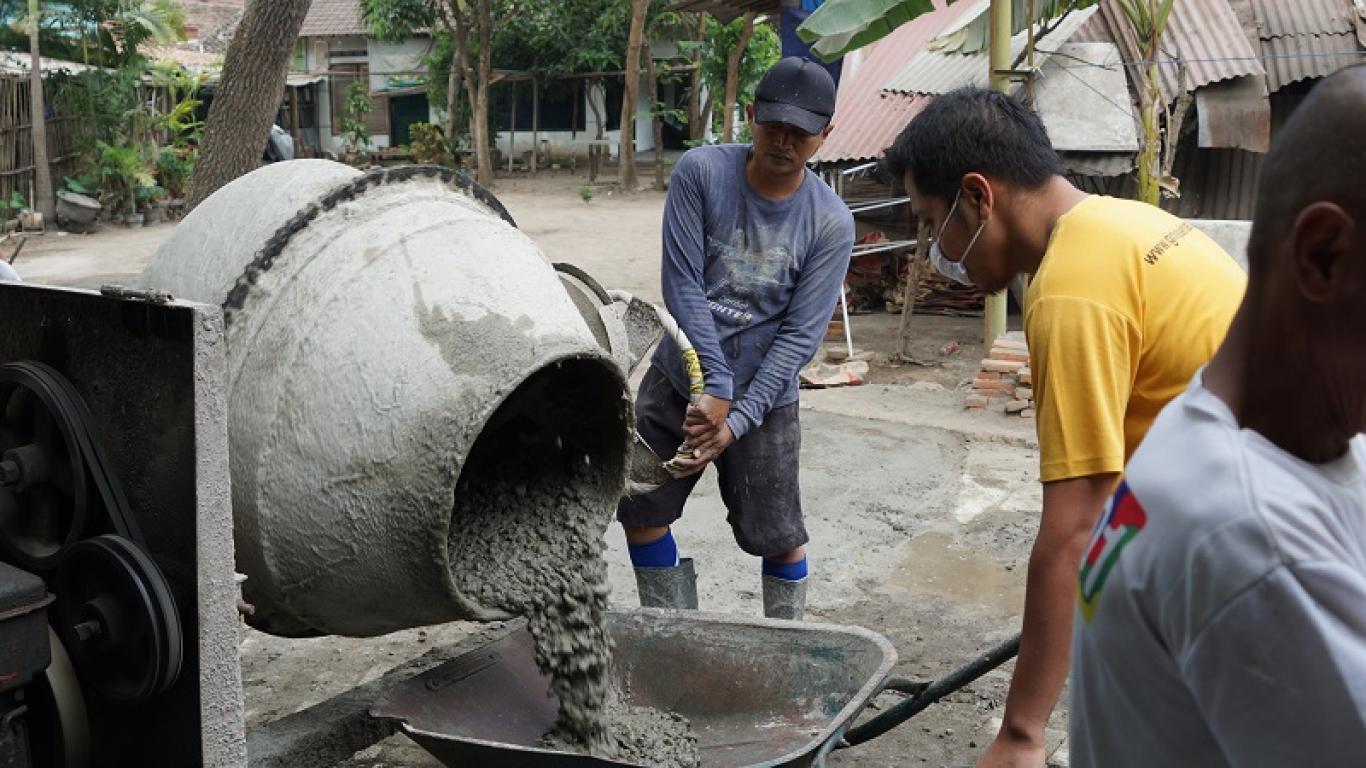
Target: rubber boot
<point>784,599</point>
<point>669,587</point>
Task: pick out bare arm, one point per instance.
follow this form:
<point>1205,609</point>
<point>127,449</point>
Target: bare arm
<point>1070,509</point>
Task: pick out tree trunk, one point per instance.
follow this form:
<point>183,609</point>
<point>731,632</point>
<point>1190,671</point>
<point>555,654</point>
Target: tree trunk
<point>535,122</point>
<point>594,150</point>
<point>697,127</point>
<point>453,78</point>
<point>483,152</point>
<point>733,79</point>
<point>469,78</point>
<point>657,124</point>
<point>919,262</point>
<point>630,92</point>
<point>42,172</point>
<point>248,95</point>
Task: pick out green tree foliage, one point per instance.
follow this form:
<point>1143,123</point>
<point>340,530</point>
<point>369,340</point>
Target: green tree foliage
<point>358,105</point>
<point>763,51</point>
<point>397,20</point>
<point>109,33</point>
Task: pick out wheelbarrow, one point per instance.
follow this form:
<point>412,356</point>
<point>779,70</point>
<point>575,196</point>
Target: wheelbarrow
<point>759,693</point>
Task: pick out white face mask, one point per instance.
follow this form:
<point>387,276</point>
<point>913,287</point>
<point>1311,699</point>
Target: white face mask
<point>954,270</point>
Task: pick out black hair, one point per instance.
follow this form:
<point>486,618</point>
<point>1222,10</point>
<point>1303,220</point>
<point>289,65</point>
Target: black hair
<point>972,130</point>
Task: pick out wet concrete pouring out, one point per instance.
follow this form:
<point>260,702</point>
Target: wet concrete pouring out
<point>531,508</point>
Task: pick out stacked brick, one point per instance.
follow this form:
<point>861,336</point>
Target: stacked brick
<point>1004,381</point>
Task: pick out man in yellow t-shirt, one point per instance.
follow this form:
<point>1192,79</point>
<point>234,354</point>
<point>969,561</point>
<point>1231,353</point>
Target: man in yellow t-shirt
<point>1127,302</point>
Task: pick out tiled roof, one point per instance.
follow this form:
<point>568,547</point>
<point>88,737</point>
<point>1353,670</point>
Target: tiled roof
<point>333,18</point>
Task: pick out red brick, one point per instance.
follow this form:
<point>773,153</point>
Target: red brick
<point>976,401</point>
<point>1002,366</point>
<point>1009,354</point>
<point>1027,413</point>
<point>1024,393</point>
<point>1016,406</point>
<point>994,386</point>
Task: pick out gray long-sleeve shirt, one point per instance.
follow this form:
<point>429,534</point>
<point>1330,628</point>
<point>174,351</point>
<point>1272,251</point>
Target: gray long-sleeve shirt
<point>751,281</point>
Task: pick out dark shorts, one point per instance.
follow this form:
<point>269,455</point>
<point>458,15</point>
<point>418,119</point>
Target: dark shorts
<point>757,473</point>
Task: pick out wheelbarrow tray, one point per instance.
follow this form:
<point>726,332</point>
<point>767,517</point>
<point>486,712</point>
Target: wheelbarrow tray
<point>758,692</point>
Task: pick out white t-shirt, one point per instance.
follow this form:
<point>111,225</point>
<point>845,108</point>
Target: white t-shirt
<point>1223,604</point>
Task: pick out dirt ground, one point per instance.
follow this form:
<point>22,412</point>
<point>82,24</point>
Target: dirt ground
<point>921,513</point>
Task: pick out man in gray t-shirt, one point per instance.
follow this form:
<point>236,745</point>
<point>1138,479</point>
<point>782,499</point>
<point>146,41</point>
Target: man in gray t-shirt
<point>755,251</point>
<point>1222,598</point>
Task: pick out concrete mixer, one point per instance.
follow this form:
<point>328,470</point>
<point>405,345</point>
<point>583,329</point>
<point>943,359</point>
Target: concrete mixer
<point>364,356</point>
<point>385,330</point>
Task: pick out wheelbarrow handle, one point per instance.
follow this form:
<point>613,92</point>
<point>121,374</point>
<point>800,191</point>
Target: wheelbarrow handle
<point>953,681</point>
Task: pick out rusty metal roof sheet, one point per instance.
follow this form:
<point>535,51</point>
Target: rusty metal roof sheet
<point>1204,34</point>
<point>1277,18</point>
<point>866,120</point>
<point>1292,58</point>
<point>936,72</point>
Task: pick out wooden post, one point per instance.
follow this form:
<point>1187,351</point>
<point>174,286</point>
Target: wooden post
<point>512,129</point>
<point>999,60</point>
<point>535,121</point>
<point>294,126</point>
<point>922,251</point>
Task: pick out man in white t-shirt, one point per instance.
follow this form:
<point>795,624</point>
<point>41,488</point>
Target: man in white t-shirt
<point>1223,596</point>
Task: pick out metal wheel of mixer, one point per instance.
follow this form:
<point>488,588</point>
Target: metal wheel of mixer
<point>59,727</point>
<point>116,616</point>
<point>43,488</point>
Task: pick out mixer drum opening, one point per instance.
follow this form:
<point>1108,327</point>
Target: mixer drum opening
<point>555,444</point>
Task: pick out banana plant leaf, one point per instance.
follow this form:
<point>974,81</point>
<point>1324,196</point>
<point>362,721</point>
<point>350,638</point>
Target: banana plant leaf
<point>840,26</point>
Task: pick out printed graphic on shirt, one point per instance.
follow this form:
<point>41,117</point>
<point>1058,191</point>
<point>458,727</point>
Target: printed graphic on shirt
<point>747,276</point>
<point>1120,522</point>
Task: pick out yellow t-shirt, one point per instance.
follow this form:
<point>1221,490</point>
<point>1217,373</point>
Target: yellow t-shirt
<point>1127,304</point>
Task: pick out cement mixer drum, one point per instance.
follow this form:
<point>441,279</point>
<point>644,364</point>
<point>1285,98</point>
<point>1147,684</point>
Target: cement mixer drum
<point>385,331</point>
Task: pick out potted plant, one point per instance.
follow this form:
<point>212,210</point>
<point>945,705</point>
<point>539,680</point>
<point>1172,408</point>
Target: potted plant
<point>122,173</point>
<point>152,204</point>
<point>174,166</point>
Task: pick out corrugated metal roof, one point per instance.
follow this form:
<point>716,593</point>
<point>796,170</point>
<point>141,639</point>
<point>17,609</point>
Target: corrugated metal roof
<point>1234,114</point>
<point>936,72</point>
<point>333,18</point>
<point>1277,18</point>
<point>867,121</point>
<point>15,62</point>
<point>1301,57</point>
<point>1204,34</point>
<point>1216,183</point>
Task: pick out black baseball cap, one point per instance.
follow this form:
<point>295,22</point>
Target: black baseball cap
<point>797,92</point>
